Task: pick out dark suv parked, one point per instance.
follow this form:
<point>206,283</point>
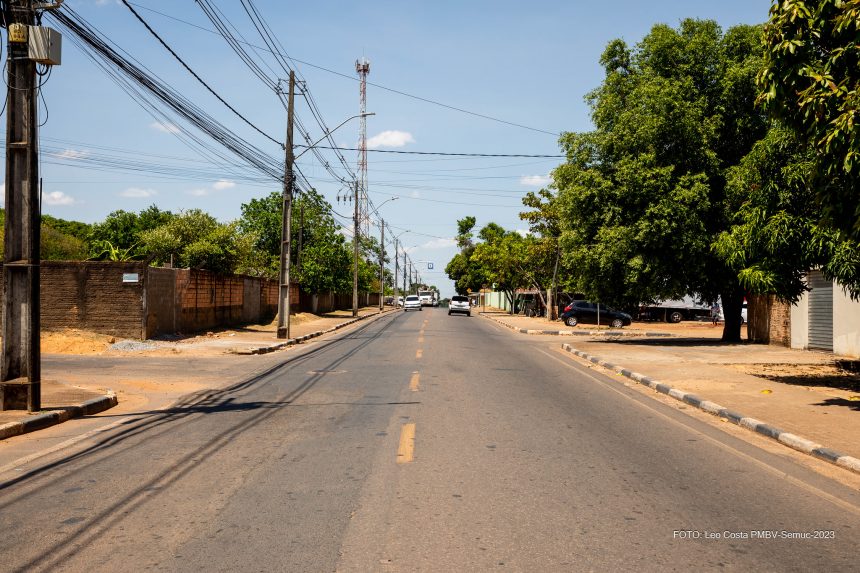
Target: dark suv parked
<point>586,313</point>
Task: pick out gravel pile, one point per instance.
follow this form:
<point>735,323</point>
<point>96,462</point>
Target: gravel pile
<point>132,346</point>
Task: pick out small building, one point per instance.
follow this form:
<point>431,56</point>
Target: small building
<point>826,318</point>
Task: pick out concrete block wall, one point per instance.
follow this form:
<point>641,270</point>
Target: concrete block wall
<point>91,295</point>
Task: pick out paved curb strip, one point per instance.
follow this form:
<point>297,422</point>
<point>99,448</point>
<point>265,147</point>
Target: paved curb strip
<point>300,339</point>
<point>614,332</point>
<point>792,441</point>
<point>54,417</point>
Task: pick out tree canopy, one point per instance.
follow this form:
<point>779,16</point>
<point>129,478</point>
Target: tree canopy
<point>810,80</point>
<point>644,195</point>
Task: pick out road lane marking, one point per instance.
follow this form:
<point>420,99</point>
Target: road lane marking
<point>406,449</point>
<point>420,339</point>
<point>779,474</point>
<point>419,353</point>
<point>413,383</point>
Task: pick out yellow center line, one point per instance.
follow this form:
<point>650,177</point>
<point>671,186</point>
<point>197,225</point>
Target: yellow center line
<point>406,449</point>
<point>413,383</point>
<point>420,339</point>
<point>419,353</point>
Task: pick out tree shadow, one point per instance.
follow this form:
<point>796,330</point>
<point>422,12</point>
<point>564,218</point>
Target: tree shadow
<point>840,402</point>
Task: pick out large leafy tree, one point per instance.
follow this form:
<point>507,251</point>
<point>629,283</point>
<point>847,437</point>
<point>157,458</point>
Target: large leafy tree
<point>810,80</point>
<point>644,195</point>
<point>194,239</point>
<point>119,235</point>
<point>321,259</point>
<point>466,273</point>
<point>777,233</point>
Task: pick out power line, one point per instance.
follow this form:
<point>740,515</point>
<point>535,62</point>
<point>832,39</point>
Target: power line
<point>444,153</point>
<point>392,90</point>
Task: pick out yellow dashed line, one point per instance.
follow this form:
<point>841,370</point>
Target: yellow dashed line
<point>419,353</point>
<point>413,384</point>
<point>420,339</point>
<point>406,449</point>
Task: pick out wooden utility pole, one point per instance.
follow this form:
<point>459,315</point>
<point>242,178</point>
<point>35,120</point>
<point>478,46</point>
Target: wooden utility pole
<point>381,263</point>
<point>20,379</point>
<point>396,270</point>
<point>286,220</point>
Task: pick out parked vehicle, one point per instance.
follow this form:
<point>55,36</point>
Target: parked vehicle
<point>412,303</point>
<point>582,311</point>
<point>675,310</point>
<point>460,304</point>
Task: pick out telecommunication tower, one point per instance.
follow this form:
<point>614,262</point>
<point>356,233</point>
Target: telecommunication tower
<point>362,67</point>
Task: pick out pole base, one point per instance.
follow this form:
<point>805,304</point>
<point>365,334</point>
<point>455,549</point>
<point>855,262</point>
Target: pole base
<point>283,332</point>
<point>14,393</point>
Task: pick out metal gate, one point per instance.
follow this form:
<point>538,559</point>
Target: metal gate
<point>820,312</point>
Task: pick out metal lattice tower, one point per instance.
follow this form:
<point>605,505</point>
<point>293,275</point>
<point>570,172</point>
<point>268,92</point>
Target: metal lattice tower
<point>362,67</point>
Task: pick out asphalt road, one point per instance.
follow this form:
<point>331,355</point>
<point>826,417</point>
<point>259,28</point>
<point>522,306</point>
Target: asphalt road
<point>423,442</point>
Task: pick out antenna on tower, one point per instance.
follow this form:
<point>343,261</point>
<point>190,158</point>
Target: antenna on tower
<point>362,68</point>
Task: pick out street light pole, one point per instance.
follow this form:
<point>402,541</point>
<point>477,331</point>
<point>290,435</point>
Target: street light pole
<point>355,255</point>
<point>381,264</point>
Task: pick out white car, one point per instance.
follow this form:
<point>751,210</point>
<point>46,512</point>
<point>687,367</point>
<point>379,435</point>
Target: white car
<point>459,304</point>
<point>412,303</point>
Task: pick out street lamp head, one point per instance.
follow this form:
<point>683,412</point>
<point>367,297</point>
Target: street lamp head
<point>367,114</point>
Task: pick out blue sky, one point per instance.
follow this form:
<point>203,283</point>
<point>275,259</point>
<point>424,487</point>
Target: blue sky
<point>528,63</point>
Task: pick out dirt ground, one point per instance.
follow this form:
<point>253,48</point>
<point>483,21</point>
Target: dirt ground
<point>81,342</point>
<point>812,375</point>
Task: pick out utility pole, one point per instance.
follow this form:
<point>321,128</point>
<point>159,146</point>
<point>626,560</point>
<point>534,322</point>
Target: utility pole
<point>301,233</point>
<point>286,220</point>
<point>355,224</point>
<point>381,263</point>
<point>396,271</point>
<point>20,379</point>
<point>405,292</point>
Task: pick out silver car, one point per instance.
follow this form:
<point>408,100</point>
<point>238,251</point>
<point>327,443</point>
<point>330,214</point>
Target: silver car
<point>460,304</point>
<point>412,303</point>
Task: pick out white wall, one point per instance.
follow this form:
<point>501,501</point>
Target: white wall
<point>800,323</point>
<point>846,324</point>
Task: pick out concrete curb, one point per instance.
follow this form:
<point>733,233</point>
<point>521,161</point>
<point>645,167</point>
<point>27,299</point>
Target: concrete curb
<point>54,417</point>
<point>300,339</point>
<point>792,441</point>
<point>611,333</point>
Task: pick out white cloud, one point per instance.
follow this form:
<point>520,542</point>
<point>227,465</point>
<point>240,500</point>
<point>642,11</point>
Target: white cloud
<point>219,185</point>
<point>73,154</point>
<point>164,127</point>
<point>415,194</point>
<point>138,193</point>
<point>58,198</point>
<point>535,180</point>
<point>523,232</point>
<point>223,184</point>
<point>439,244</point>
<point>391,138</point>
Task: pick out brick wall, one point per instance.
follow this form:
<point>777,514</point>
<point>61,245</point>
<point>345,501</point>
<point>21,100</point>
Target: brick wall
<point>769,320</point>
<point>91,295</point>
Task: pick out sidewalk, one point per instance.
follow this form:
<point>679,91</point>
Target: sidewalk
<point>94,373</point>
<point>802,393</point>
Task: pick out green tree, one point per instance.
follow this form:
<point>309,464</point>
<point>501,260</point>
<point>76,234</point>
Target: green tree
<point>119,235</point>
<point>466,273</point>
<point>194,239</point>
<point>777,234</point>
<point>810,80</point>
<point>644,195</point>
